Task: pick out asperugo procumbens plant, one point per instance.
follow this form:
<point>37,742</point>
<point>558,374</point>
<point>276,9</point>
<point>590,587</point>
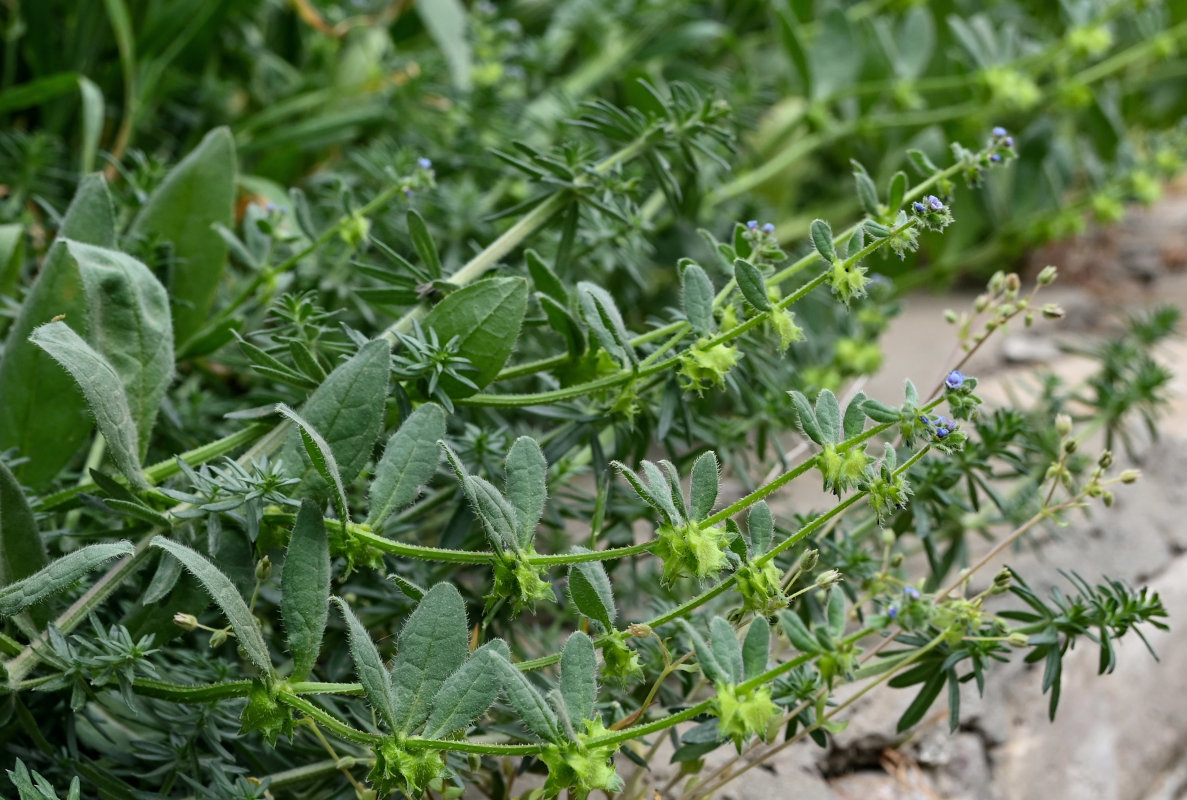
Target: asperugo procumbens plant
<point>580,598</point>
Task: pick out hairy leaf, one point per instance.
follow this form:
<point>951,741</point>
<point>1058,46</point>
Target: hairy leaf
<point>468,693</point>
<point>697,292</point>
<point>432,645</point>
<point>527,486</point>
<point>579,685</point>
<point>704,485</point>
<point>408,461</point>
<point>376,680</point>
<point>305,588</point>
<point>752,285</point>
<point>589,588</point>
<point>485,318</point>
<point>58,575</point>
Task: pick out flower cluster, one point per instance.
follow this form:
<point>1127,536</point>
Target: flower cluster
<point>933,214</point>
<point>960,392</point>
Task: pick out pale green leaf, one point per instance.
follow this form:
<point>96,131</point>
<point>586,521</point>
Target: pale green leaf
<point>756,648</point>
<point>697,293</point>
<point>445,20</point>
<point>527,487</point>
<point>486,318</point>
<point>58,576</point>
<point>579,686</point>
<point>468,693</point>
<point>704,485</point>
<point>433,644</point>
<point>408,461</point>
<point>589,589</point>
<point>376,680</point>
<point>527,701</point>
<point>305,588</point>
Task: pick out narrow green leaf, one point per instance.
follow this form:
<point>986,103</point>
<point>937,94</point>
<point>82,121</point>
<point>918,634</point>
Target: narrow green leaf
<point>445,21</point>
<point>751,283</point>
<point>92,123</point>
<point>486,318</point>
<point>798,633</point>
<point>376,680</point>
<point>129,324</point>
<point>604,319</point>
<point>322,458</point>
<point>922,702</point>
<point>22,552</point>
<point>196,194</point>
<point>305,588</point>
<point>761,526</point>
<point>704,485</point>
<point>579,670</point>
<point>822,240</point>
<point>828,415</point>
<point>497,516</point>
<point>408,461</point>
<point>42,411</point>
<point>712,669</point>
<point>527,487</point>
<point>58,575</point>
<point>836,613</point>
<point>226,597</point>
<point>756,648</point>
<point>561,321</point>
<point>347,410</point>
<point>697,293</point>
<point>527,701</point>
<point>726,648</point>
<point>805,418</point>
<point>867,192</point>
<point>544,279</point>
<point>898,191</point>
<point>854,421</point>
<point>590,591</point>
<point>922,164</point>
<point>433,643</point>
<point>167,574</point>
<point>103,389</point>
<point>422,240</point>
<point>468,693</point>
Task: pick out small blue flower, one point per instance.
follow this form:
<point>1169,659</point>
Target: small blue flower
<point>934,203</point>
<point>911,592</point>
<point>999,131</point>
<point>424,163</point>
<point>407,192</point>
<point>923,418</point>
<point>752,224</point>
<point>995,158</point>
<point>892,612</point>
<point>270,207</point>
<point>942,432</point>
<point>768,228</point>
<point>919,207</point>
<point>954,380</point>
<point>1008,141</point>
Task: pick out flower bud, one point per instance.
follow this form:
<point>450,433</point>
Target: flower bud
<point>263,569</point>
<point>950,316</point>
<point>187,622</point>
<point>1018,639</point>
<point>1047,276</point>
<point>1106,459</point>
<point>1052,311</point>
<point>346,762</point>
<point>1107,498</point>
<point>639,630</point>
<point>1013,282</point>
<point>1130,475</point>
<point>218,638</point>
<point>1070,446</point>
<point>888,537</point>
<point>1063,424</point>
<point>829,577</point>
<point>808,560</point>
<point>896,560</point>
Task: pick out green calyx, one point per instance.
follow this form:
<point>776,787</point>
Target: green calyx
<point>620,661</point>
<point>400,769</point>
<point>520,582</point>
<point>704,366</point>
<point>691,550</point>
<point>262,713</point>
<point>760,588</point>
<point>742,715</point>
<point>848,281</point>
<point>842,471</point>
<point>580,768</point>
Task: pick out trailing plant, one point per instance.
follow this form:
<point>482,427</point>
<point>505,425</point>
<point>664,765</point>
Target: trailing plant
<point>407,501</point>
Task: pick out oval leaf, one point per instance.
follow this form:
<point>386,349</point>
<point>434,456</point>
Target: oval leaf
<point>579,685</point>
<point>752,285</point>
<point>589,589</point>
<point>697,292</point>
<point>409,460</point>
<point>527,486</point>
<point>432,645</point>
<point>305,588</point>
<point>468,693</point>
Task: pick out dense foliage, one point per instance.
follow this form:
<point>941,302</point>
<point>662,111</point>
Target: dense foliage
<point>495,382</point>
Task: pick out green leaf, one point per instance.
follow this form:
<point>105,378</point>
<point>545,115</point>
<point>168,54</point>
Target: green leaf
<point>92,123</point>
<point>498,517</point>
<point>529,703</point>
<point>867,192</point>
<point>761,526</point>
<point>305,588</point>
<point>408,461</point>
<point>22,552</point>
<point>347,410</point>
<point>704,485</point>
<point>836,613</point>
<point>726,648</point>
<point>917,36</point>
<point>712,669</point>
<point>828,415</point>
<point>544,279</point>
<point>854,421</point>
<point>922,164</point>
<point>822,240</point>
<point>561,321</point>
<point>422,240</point>
<point>697,293</point>
<point>798,633</point>
<point>58,575</point>
<point>486,318</point>
<point>129,324</point>
<point>226,597</point>
<point>432,645</point>
<point>922,702</point>
<point>751,283</point>
<point>756,648</point>
<point>322,458</point>
<point>196,194</point>
<point>42,411</point>
<point>468,693</point>
<point>579,685</point>
<point>527,487</point>
<point>589,589</point>
<point>805,418</point>
<point>898,191</point>
<point>376,680</point>
<point>445,21</point>
<point>604,319</point>
<point>104,391</point>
